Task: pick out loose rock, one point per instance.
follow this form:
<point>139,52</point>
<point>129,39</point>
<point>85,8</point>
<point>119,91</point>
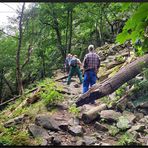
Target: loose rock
<point>100,127</point>
<point>138,128</point>
<point>37,131</point>
<point>76,130</point>
<point>89,140</point>
<point>110,115</point>
<point>130,116</point>
<point>47,122</point>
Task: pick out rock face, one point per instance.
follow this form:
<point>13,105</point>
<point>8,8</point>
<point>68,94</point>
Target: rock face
<point>63,126</point>
<point>37,131</point>
<point>89,140</point>
<point>110,115</point>
<point>130,116</point>
<point>55,141</point>
<point>76,130</point>
<point>144,120</point>
<point>123,123</point>
<point>47,122</point>
<point>15,121</point>
<point>100,127</point>
<point>138,128</point>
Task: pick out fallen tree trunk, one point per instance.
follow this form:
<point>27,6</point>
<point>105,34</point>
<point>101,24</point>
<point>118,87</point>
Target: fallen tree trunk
<point>92,114</point>
<point>64,77</point>
<point>110,85</point>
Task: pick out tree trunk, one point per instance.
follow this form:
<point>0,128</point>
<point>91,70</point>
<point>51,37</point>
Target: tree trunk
<point>101,27</point>
<point>92,114</point>
<point>18,68</point>
<point>70,32</point>
<point>1,82</point>
<point>67,30</point>
<point>58,34</point>
<point>111,84</point>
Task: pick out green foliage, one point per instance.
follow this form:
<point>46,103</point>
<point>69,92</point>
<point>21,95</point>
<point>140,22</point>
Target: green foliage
<point>12,136</point>
<point>113,130</point>
<point>126,139</point>
<point>123,123</point>
<point>135,28</point>
<point>119,58</point>
<point>49,93</point>
<point>1,128</point>
<point>121,91</point>
<point>74,110</point>
<point>145,71</point>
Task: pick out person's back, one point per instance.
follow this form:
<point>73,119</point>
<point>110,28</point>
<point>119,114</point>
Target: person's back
<point>92,61</point>
<point>91,64</point>
<point>74,69</point>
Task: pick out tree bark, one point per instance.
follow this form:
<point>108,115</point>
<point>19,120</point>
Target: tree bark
<point>58,34</point>
<point>111,84</point>
<point>18,68</point>
<point>67,30</point>
<point>1,82</point>
<point>70,32</point>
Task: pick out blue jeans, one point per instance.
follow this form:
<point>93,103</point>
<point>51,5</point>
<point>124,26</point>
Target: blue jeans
<point>89,79</point>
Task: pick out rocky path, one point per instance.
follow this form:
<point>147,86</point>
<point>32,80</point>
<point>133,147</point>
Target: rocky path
<point>110,126</point>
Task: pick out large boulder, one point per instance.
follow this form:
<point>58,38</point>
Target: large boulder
<point>110,115</point>
<point>138,128</point>
<point>130,116</point>
<point>100,127</point>
<point>47,122</point>
<point>38,131</point>
<point>76,130</point>
<point>89,140</point>
<point>123,123</point>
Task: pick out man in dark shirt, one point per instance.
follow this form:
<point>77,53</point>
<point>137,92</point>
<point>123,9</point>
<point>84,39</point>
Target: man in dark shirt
<point>91,64</point>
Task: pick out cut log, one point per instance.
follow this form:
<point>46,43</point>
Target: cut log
<point>110,85</point>
<point>92,114</point>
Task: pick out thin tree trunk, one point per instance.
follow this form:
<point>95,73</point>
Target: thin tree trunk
<point>43,62</point>
<point>1,82</point>
<point>58,34</point>
<point>111,84</point>
<point>70,32</point>
<point>67,30</point>
<point>18,68</point>
<point>97,35</point>
<point>101,27</point>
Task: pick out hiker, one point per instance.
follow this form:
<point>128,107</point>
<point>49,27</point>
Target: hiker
<point>91,64</point>
<point>75,64</point>
<point>67,63</point>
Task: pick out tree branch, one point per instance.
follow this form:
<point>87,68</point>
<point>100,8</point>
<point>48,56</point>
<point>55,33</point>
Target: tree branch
<point>9,34</point>
<point>30,49</point>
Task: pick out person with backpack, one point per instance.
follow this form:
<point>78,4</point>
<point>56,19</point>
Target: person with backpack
<point>75,64</point>
<point>91,64</point>
<point>67,63</point>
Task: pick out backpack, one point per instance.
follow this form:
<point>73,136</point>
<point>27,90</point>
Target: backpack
<point>73,63</point>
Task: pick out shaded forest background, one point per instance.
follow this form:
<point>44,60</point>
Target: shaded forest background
<point>36,43</point>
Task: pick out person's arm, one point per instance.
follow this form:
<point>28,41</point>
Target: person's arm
<point>79,62</point>
<point>84,65</point>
